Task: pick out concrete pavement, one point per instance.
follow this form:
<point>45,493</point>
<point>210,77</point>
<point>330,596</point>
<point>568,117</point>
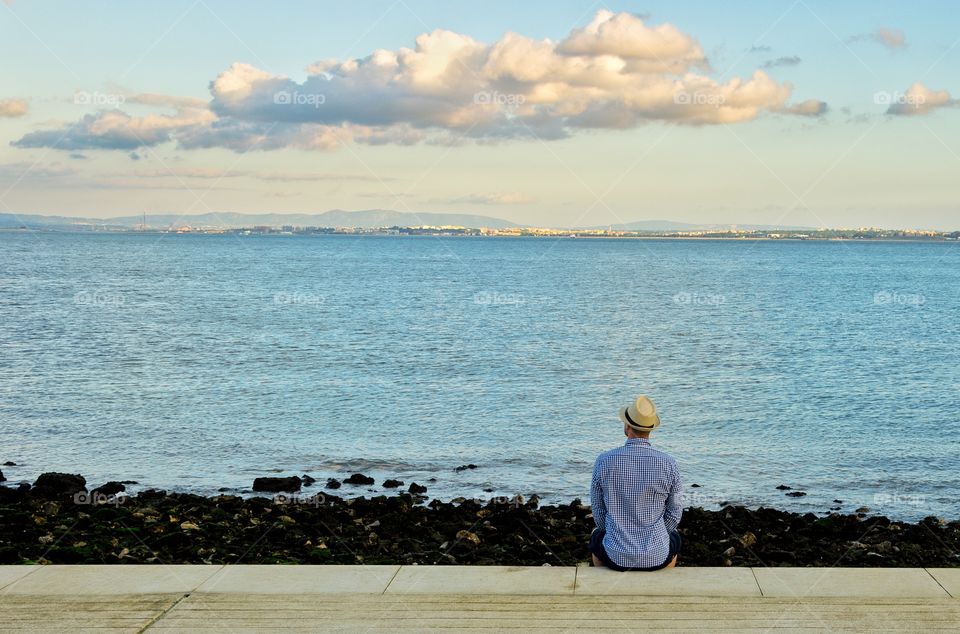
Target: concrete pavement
<point>139,598</point>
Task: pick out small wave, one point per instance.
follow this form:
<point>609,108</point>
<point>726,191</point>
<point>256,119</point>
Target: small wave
<point>361,464</point>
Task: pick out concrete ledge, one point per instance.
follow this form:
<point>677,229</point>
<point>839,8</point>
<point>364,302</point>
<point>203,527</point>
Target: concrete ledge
<point>697,582</point>
<point>483,580</point>
<point>848,582</point>
<point>300,580</point>
<point>896,583</point>
<point>116,580</point>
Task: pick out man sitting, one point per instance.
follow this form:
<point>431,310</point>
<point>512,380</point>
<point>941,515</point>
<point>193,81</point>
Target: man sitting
<point>637,498</point>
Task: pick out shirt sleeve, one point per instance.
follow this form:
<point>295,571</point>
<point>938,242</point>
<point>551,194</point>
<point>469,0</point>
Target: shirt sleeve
<point>596,498</point>
<point>674,507</point>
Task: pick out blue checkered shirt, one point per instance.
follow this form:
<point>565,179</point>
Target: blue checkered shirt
<point>637,497</point>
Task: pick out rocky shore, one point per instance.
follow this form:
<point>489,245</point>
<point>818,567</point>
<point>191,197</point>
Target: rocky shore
<point>57,520</point>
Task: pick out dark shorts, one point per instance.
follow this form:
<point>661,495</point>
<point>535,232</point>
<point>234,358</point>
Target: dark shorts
<point>596,547</point>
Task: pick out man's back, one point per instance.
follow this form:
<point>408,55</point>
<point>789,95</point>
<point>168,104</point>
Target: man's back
<point>636,496</point>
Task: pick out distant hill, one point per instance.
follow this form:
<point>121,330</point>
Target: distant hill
<point>366,219</point>
<point>33,221</point>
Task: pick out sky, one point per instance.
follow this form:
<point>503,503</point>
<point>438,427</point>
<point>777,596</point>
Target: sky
<point>803,113</point>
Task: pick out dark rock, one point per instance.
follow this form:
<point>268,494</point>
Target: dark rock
<point>838,501</point>
<point>110,488</point>
<point>796,494</point>
<point>9,464</point>
<point>9,555</point>
<point>55,485</point>
<point>392,484</point>
<point>465,467</point>
<point>307,480</point>
<point>333,483</point>
<point>359,478</point>
<point>419,489</point>
<point>467,536</point>
<point>224,490</point>
<point>695,485</point>
<point>277,485</point>
<point>399,529</point>
<point>783,487</point>
<point>2,479</point>
<point>780,556</point>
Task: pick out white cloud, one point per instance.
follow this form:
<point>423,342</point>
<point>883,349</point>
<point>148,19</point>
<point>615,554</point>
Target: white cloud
<point>155,99</point>
<point>893,39</point>
<point>808,108</point>
<point>918,100</point>
<point>217,174</point>
<point>646,49</point>
<point>789,60</point>
<point>617,72</point>
<point>13,107</point>
<point>14,172</point>
<point>496,198</point>
<point>117,130</point>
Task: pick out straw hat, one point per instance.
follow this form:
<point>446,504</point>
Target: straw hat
<point>641,415</point>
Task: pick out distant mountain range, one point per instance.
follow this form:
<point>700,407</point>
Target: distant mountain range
<point>365,219</point>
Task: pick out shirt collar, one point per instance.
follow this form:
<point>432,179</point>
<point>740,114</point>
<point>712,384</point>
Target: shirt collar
<point>642,442</point>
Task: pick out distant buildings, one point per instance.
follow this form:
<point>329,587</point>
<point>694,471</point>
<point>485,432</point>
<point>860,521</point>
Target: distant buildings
<point>859,233</point>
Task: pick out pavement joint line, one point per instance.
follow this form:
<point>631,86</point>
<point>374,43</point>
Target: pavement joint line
<point>932,576</point>
<point>163,613</point>
<point>35,568</point>
<point>756,581</point>
<point>395,573</point>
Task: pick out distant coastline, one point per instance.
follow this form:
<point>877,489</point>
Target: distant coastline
<point>822,235</point>
<point>407,223</point>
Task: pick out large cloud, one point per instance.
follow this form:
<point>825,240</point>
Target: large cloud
<point>616,72</point>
